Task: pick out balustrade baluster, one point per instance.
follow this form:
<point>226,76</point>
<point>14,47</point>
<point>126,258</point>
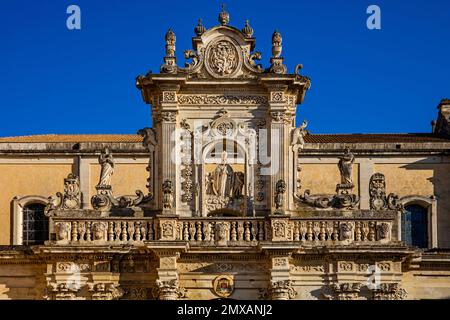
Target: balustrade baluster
<point>296,231</point>
<point>309,231</point>
<point>247,231</point>
<point>150,233</point>
<point>110,231</point>
<point>372,231</point>
<point>88,231</point>
<point>322,231</point>
<point>124,231</point>
<point>261,230</point>
<point>74,231</point>
<point>358,231</point>
<point>336,231</point>
<point>199,231</point>
<point>137,233</point>
<point>233,231</point>
<point>143,231</point>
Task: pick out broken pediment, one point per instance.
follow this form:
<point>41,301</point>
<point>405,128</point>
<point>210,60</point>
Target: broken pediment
<point>222,52</point>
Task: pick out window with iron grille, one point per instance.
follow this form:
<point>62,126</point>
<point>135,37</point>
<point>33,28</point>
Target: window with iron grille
<point>415,226</point>
<point>35,224</point>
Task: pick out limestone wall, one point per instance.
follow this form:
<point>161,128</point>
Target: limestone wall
<point>20,177</point>
<point>22,281</point>
<point>42,177</point>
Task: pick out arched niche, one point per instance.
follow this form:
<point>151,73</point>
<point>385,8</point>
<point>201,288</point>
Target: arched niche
<point>226,176</point>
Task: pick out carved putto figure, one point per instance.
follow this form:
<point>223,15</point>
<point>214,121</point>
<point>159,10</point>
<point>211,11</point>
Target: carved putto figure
<point>345,167</point>
<point>279,195</point>
<point>168,194</point>
<point>107,168</point>
<point>299,134</point>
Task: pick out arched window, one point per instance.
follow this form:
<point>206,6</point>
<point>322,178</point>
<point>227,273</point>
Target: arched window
<point>415,226</point>
<point>35,224</point>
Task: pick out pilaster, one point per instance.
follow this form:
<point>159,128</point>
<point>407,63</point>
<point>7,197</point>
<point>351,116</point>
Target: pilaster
<point>166,133</point>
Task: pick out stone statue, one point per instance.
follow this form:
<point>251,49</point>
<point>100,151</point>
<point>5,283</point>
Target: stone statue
<point>298,135</point>
<point>223,178</point>
<point>107,162</point>
<point>345,167</point>
<point>279,194</point>
<point>238,184</point>
<point>209,183</point>
<point>168,194</point>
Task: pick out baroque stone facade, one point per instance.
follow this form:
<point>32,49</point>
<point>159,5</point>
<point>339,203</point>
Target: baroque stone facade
<point>240,202</point>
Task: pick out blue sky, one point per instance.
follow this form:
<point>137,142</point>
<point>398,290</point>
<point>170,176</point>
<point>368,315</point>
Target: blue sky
<point>58,81</point>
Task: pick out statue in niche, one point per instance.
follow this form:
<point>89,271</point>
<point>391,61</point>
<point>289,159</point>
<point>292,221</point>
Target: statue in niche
<point>209,183</point>
<point>107,167</point>
<point>238,184</point>
<point>299,134</point>
<point>223,178</point>
<point>345,167</point>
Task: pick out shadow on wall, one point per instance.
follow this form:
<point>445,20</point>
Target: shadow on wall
<point>441,185</point>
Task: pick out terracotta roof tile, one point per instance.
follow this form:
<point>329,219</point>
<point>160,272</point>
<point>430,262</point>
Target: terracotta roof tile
<point>374,138</point>
<point>311,138</point>
<point>55,138</point>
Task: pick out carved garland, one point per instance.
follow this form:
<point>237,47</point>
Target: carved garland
<point>186,159</point>
<point>219,99</point>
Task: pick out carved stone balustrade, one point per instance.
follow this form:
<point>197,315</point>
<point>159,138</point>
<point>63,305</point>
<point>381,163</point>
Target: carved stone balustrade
<point>100,231</point>
<point>224,231</point>
<point>306,229</point>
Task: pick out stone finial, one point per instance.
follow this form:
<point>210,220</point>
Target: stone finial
<point>170,43</point>
<point>199,29</point>
<point>247,30</point>
<point>224,17</point>
<point>276,44</point>
<point>276,60</point>
<point>170,61</point>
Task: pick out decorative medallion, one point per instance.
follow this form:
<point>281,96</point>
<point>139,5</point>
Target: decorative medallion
<point>223,286</point>
<point>222,59</point>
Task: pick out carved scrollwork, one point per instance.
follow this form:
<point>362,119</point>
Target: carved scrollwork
<point>71,199</point>
<point>168,290</point>
<point>279,290</point>
<point>281,117</point>
<point>187,184</point>
<point>378,198</point>
<point>389,291</point>
<point>342,291</point>
<point>223,58</point>
<point>220,99</point>
<point>167,116</point>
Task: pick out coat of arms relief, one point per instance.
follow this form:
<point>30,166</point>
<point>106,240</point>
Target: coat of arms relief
<point>222,58</point>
